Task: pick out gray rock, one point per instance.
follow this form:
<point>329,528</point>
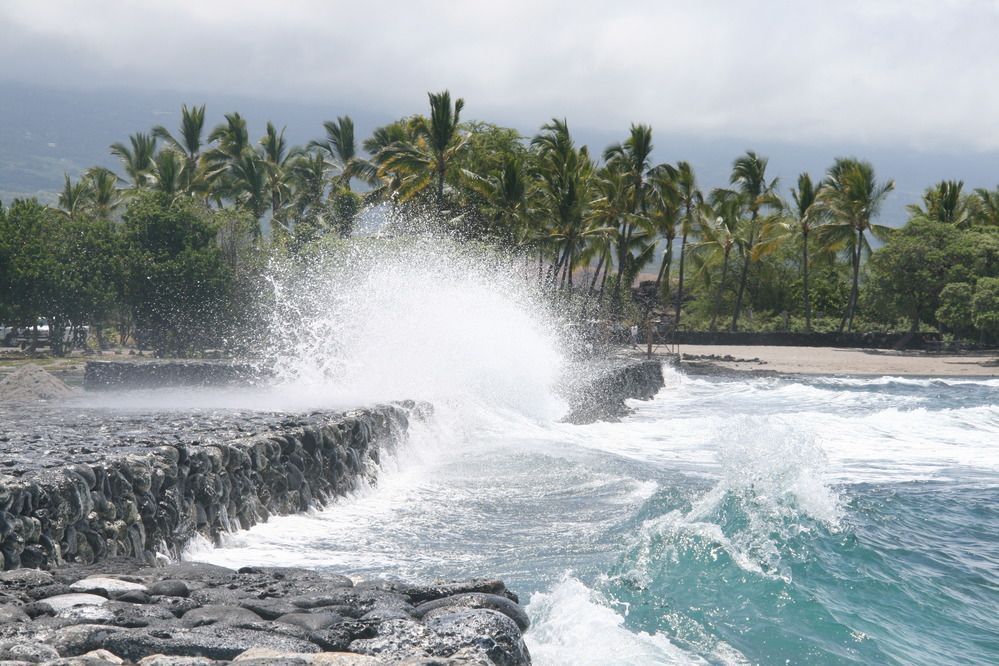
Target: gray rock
<point>311,621</point>
<point>339,637</point>
<point>398,639</point>
<point>29,651</point>
<point>475,600</point>
<point>111,586</point>
<point>95,658</point>
<point>170,587</point>
<point>61,602</point>
<point>86,614</point>
<point>491,631</point>
<point>168,660</point>
<point>37,608</point>
<point>218,641</point>
<point>10,614</point>
<point>269,609</point>
<point>27,577</point>
<point>79,639</point>
<point>421,593</point>
<point>205,615</point>
<point>133,597</point>
<point>255,656</point>
<point>176,605</point>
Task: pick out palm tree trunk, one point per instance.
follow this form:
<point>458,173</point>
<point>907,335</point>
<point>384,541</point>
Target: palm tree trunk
<point>804,269</point>
<point>745,273</point>
<point>718,295</point>
<point>664,271</point>
<point>856,281</point>
<point>596,274</point>
<point>603,282</point>
<point>679,286</point>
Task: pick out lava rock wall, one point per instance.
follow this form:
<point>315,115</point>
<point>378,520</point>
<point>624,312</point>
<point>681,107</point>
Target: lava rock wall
<point>155,500</point>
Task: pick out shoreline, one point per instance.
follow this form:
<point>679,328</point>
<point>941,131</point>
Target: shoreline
<point>829,361</point>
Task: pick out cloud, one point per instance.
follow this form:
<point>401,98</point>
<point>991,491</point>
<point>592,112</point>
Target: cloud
<point>914,73</point>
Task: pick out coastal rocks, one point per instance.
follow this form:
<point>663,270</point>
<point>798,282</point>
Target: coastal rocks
<point>156,498</point>
<point>323,628</point>
<point>600,390</point>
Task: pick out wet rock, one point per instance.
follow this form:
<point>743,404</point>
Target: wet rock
<point>37,609</point>
<point>79,639</point>
<point>9,614</point>
<point>218,642</point>
<point>270,609</point>
<point>134,597</point>
<point>109,586</point>
<point>488,630</point>
<point>494,602</point>
<point>339,637</point>
<point>95,658</point>
<point>168,660</point>
<point>26,577</point>
<point>260,656</point>
<point>171,587</point>
<point>312,621</point>
<point>62,602</point>
<point>422,593</point>
<point>214,614</point>
<point>176,605</point>
<point>28,651</point>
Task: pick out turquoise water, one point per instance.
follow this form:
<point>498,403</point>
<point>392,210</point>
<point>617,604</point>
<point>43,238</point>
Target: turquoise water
<point>746,520</point>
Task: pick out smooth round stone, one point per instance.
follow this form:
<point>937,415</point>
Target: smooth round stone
<point>64,601</point>
<point>170,588</point>
<point>110,585</point>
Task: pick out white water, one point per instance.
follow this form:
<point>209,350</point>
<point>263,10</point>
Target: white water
<point>492,484</point>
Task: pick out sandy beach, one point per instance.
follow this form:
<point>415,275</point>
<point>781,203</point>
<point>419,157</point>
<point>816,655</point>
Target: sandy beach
<point>828,361</point>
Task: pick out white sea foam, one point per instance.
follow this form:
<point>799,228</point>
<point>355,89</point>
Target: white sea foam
<point>575,626</point>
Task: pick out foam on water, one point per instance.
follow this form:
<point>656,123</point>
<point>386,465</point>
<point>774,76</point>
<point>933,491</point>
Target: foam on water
<point>418,319</point>
<point>723,523</point>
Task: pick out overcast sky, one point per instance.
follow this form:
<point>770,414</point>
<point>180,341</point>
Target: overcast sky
<point>913,73</point>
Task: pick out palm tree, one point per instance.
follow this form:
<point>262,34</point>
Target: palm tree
<point>633,158</point>
<point>137,158</point>
<point>505,193</point>
<point>749,177</point>
<point>851,197</point>
<point>168,173</point>
<point>944,202</point>
<point>75,197</point>
<point>188,142</point>
<point>563,172</point>
<point>232,140</point>
<point>308,174</point>
<point>987,206</point>
<point>104,192</point>
<point>426,160</point>
<point>664,215</point>
<point>278,158</point>
<point>690,199</point>
<point>341,147</point>
<point>718,231</point>
<point>249,185</point>
<point>807,215</point>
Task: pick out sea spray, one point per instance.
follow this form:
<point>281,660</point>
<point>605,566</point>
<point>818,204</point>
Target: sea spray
<point>417,317</point>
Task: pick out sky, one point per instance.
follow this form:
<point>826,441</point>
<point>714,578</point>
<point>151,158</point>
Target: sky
<point>911,74</point>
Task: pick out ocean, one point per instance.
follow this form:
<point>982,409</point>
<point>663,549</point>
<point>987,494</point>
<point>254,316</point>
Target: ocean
<point>801,520</point>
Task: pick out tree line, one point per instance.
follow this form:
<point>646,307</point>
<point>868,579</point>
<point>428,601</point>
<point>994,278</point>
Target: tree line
<point>169,248</point>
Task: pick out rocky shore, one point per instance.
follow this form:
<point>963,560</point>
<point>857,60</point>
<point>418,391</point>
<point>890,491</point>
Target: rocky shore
<point>201,614</point>
<point>97,505</point>
<point>68,496</point>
